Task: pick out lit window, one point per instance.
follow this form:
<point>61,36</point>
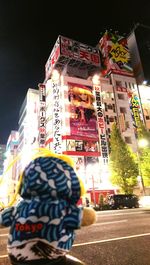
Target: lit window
<point>122,110</point>
<point>121,96</point>
<point>128,140</point>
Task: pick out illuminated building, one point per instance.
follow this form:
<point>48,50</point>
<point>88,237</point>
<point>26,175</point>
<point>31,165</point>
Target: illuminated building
<point>75,122</point>
<point>28,125</point>
<point>10,177</point>
<point>71,89</point>
<point>20,143</point>
<point>2,157</point>
<point>116,63</point>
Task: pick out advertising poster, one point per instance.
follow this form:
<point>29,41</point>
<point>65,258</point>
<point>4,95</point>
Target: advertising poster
<point>115,53</point>
<point>82,146</point>
<point>83,121</point>
<point>79,51</point>
<point>135,107</point>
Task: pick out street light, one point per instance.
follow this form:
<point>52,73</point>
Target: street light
<point>142,143</point>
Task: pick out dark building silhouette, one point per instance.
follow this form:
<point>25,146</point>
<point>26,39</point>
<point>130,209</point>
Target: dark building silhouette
<point>139,46</point>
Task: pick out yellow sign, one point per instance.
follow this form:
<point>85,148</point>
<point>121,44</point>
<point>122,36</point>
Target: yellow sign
<point>119,53</point>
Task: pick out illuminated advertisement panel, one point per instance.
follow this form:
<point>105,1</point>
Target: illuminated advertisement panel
<point>57,134</point>
<point>81,145</point>
<point>50,64</point>
<point>101,125</point>
<point>83,120</point>
<point>42,115</point>
<point>74,49</point>
<point>68,52</point>
<point>135,109</point>
<point>115,53</point>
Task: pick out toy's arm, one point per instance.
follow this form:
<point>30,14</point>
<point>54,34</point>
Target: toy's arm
<point>89,216</point>
<point>6,217</point>
<point>79,216</point>
<point>73,216</point>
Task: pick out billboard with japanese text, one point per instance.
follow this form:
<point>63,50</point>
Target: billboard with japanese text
<point>68,52</point>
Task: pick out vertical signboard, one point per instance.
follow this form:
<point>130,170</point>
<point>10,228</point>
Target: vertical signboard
<point>52,60</point>
<point>136,109</point>
<point>101,125</point>
<point>57,126</point>
<point>79,51</point>
<point>42,115</point>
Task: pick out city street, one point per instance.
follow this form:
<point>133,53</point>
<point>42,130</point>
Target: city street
<point>119,237</point>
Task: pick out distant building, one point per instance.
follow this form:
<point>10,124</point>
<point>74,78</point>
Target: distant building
<point>10,175</point>
<point>2,157</point>
<point>28,125</point>
<point>139,46</point>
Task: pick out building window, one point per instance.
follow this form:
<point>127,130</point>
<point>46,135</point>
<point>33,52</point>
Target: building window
<point>111,119</point>
<point>109,106</point>
<point>147,117</point>
<point>123,110</point>
<point>114,110</point>
<point>118,83</point>
<point>127,124</point>
<point>130,85</point>
<point>105,106</point>
<point>128,140</point>
<point>107,119</point>
<point>121,96</point>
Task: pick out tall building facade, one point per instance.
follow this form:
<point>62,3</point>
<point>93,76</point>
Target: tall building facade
<point>73,107</point>
<point>80,116</point>
<point>139,46</point>
<point>116,63</point>
<point>28,125</point>
<point>2,157</point>
<point>10,175</point>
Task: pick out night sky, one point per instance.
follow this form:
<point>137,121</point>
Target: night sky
<point>28,32</point>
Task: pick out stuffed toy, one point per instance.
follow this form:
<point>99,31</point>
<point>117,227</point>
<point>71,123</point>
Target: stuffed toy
<point>42,224</point>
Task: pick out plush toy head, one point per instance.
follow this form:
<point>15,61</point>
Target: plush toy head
<point>51,177</point>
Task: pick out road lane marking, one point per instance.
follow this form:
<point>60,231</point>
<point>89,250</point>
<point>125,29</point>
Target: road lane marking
<point>111,222</point>
<point>110,239</point>
<point>100,241</point>
<point>99,214</point>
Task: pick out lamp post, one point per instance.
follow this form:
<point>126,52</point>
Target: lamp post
<point>142,143</point>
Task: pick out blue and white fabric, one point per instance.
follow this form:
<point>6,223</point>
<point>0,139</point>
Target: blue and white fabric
<point>42,224</point>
